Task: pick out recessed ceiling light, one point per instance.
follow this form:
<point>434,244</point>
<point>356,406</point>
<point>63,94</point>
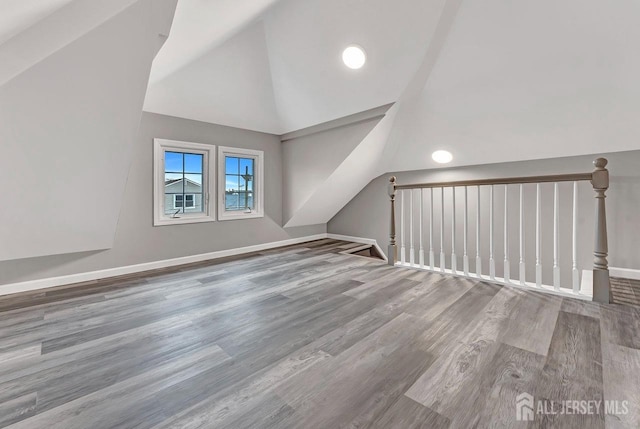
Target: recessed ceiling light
<point>354,57</point>
<point>442,156</point>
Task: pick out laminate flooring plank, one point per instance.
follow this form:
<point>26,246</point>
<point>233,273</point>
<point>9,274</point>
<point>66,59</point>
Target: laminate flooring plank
<point>573,369</point>
<point>513,371</point>
<point>456,380</point>
<point>535,323</point>
<point>302,327</point>
<point>94,328</point>
<point>17,409</point>
<point>127,355</point>
<point>585,308</point>
<point>246,397</point>
<point>341,339</point>
<point>455,321</point>
<point>269,412</point>
<point>366,379</point>
<point>126,404</point>
<point>621,325</point>
<point>405,413</point>
<point>443,294</point>
<point>368,288</point>
<point>621,377</point>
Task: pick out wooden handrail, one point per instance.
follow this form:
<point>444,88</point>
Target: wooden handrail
<point>599,179</point>
<point>576,177</point>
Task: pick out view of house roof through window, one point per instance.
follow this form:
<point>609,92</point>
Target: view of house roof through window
<point>183,182</point>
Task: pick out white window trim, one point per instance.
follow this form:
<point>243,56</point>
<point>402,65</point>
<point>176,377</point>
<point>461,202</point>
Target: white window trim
<point>208,169</point>
<point>184,201</point>
<point>258,183</point>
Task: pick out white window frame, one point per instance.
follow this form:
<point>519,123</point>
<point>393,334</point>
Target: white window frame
<point>258,183</point>
<point>184,201</point>
<point>208,152</point>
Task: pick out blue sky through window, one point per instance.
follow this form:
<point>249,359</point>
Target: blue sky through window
<point>235,167</point>
<point>177,164</point>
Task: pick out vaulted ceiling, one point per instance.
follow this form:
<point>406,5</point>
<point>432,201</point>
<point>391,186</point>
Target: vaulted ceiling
<point>275,66</point>
<point>490,81</point>
<point>18,15</point>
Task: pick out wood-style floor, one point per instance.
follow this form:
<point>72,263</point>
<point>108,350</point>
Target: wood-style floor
<point>307,337</point>
<point>625,291</point>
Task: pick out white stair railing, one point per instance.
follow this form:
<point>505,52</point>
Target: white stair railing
<point>598,290</point>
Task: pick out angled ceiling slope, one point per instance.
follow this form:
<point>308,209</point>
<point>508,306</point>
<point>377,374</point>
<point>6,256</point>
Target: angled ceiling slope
<point>301,43</point>
<point>528,80</point>
<point>371,157</point>
<point>18,15</point>
<point>203,89</point>
<point>70,120</point>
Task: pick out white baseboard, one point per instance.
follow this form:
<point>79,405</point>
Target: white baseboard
<point>50,282</point>
<point>625,273</point>
<point>362,240</point>
<point>32,285</point>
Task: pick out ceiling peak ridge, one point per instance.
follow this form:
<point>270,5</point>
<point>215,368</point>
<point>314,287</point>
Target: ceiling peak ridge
<point>375,113</point>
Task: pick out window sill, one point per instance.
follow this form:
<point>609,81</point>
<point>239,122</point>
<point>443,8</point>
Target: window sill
<point>239,216</point>
<point>183,220</point>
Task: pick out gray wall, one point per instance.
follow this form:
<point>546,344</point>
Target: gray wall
<point>309,160</point>
<point>367,215</point>
<point>69,122</point>
<point>138,241</point>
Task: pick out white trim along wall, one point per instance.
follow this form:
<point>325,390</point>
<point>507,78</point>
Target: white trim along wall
<point>45,283</point>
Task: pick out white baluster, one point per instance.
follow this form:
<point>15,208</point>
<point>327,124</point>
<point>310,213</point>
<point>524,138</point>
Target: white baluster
<point>507,267</point>
<point>412,258</point>
<point>421,238</point>
<point>522,236</point>
<point>454,262</point>
<point>538,237</point>
<point>402,252</point>
<point>492,262</point>
<point>431,254</point>
<point>465,256</point>
<point>575,272</point>
<point>442,258</point>
<point>478,258</point>
<point>556,237</point>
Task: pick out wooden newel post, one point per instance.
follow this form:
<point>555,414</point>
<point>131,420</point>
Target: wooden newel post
<point>600,182</point>
<point>393,249</point>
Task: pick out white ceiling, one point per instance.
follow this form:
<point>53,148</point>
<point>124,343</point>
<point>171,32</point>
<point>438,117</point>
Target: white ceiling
<point>230,85</point>
<point>276,66</point>
<point>528,80</point>
<point>18,15</point>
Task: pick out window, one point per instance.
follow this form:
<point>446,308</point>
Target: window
<point>183,201</point>
<point>240,183</point>
<point>183,181</point>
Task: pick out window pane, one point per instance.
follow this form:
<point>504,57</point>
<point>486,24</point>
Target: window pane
<point>195,205</point>
<point>173,161</point>
<point>232,165</point>
<point>194,178</point>
<point>193,163</point>
<point>246,165</point>
<point>232,183</point>
<point>170,177</point>
<point>183,189</point>
<point>238,183</point>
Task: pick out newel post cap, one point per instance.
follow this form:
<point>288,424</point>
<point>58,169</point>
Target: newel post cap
<point>392,186</point>
<point>600,163</point>
<point>600,176</point>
